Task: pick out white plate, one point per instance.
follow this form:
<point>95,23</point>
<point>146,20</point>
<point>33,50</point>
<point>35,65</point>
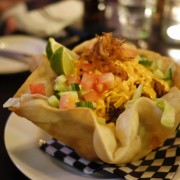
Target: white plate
<point>20,43</point>
<point>21,141</point>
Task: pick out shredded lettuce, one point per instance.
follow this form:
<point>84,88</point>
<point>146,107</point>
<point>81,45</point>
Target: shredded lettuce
<point>168,116</point>
<point>144,61</point>
<point>157,68</point>
<point>135,97</point>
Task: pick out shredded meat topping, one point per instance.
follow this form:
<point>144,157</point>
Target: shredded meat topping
<point>107,50</point>
<point>159,88</point>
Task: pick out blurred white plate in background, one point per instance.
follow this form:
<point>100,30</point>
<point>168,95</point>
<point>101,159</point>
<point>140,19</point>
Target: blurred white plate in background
<point>52,19</point>
<point>19,43</point>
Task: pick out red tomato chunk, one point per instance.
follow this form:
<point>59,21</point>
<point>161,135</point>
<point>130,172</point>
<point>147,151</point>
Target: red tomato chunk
<point>88,80</point>
<point>67,101</point>
<point>37,88</point>
<point>91,95</point>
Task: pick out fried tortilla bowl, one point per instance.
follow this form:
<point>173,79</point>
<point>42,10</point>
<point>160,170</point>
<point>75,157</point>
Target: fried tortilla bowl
<point>135,133</point>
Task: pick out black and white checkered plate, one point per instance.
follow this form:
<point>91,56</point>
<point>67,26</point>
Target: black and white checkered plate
<point>161,163</point>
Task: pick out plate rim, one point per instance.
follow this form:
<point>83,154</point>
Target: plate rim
<point>66,172</point>
<point>70,172</point>
<point>24,68</point>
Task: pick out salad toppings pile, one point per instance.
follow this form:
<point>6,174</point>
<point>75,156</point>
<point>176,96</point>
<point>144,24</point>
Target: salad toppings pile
<point>106,77</point>
<point>105,99</point>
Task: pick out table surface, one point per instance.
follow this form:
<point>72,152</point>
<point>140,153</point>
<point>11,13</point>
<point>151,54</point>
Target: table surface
<point>10,83</point>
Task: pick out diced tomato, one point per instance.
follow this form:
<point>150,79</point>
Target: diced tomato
<point>67,101</point>
<point>99,87</point>
<point>73,79</point>
<point>91,95</point>
<point>88,80</point>
<point>37,88</point>
<point>107,80</point>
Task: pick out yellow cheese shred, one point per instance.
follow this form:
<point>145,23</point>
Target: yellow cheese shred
<point>125,89</point>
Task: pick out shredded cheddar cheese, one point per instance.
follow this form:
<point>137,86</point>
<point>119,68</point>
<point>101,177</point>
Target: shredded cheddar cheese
<point>128,72</point>
<point>124,90</point>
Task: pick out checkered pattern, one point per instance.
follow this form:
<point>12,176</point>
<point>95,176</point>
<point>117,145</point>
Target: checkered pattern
<point>161,163</point>
<point>70,157</point>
